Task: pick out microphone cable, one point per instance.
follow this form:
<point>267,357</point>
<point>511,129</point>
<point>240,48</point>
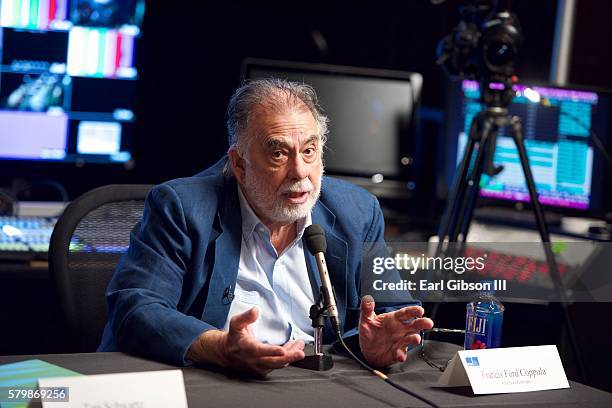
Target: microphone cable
<point>383,376</point>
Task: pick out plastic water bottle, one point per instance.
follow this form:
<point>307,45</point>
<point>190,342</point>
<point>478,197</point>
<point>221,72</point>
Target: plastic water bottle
<point>483,321</point>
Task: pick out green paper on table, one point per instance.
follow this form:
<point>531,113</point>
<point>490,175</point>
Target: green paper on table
<point>25,375</point>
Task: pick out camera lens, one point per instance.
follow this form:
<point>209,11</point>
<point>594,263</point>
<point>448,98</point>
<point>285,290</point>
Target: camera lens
<point>499,53</point>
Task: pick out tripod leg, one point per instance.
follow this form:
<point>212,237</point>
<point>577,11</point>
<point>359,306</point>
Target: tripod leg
<point>517,135</point>
<point>467,205</point>
<point>472,197</point>
<point>456,196</point>
<point>487,167</point>
<point>458,190</point>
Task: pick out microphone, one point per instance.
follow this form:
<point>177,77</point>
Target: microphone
<point>314,236</point>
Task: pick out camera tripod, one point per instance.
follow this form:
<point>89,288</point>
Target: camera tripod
<point>454,226</point>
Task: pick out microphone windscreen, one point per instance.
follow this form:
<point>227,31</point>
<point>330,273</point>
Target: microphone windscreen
<point>314,236</point>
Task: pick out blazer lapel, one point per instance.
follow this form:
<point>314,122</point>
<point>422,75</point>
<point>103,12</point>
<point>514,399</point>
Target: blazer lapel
<point>227,257</point>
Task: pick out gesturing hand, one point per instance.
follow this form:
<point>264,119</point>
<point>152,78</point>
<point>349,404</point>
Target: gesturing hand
<point>239,349</point>
<point>384,338</point>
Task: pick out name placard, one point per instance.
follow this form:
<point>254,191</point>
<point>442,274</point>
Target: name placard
<point>506,370</point>
<point>149,389</point>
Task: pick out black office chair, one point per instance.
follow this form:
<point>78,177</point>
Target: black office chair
<point>87,241</point>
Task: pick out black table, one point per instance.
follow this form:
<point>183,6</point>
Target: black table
<point>345,385</point>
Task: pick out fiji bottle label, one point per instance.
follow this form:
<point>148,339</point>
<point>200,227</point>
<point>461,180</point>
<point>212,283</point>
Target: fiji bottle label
<point>482,331</point>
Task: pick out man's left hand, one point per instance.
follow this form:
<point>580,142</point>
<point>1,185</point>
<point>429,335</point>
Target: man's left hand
<point>384,338</point>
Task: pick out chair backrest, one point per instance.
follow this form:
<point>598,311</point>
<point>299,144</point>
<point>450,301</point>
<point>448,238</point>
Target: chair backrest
<point>87,241</point>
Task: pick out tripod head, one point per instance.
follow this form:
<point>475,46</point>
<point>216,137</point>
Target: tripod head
<point>484,46</point>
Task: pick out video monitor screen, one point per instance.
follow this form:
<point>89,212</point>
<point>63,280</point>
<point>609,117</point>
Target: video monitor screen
<point>558,124</point>
<point>371,114</point>
<point>68,79</point>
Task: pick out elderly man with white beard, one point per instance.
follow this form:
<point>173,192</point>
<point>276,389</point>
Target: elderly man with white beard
<point>217,272</point>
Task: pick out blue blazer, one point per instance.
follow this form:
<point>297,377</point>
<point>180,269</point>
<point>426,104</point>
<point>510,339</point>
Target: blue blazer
<point>178,276</point>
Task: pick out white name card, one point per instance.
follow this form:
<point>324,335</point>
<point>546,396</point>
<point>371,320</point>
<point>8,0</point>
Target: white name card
<point>506,370</point>
<point>149,389</point>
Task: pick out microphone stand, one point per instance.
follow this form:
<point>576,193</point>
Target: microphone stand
<point>319,361</point>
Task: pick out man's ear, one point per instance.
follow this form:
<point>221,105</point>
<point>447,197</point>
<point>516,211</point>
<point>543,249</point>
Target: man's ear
<point>237,164</point>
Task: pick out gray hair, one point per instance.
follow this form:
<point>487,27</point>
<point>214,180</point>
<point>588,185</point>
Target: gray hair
<point>273,93</point>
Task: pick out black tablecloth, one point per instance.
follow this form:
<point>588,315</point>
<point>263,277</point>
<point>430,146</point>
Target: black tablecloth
<point>345,385</point>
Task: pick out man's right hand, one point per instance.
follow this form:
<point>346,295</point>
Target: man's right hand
<point>239,350</point>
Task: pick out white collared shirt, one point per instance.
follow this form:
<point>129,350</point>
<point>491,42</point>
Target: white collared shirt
<point>278,284</point>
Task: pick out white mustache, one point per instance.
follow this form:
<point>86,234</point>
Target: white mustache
<point>304,186</point>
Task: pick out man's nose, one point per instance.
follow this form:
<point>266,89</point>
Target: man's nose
<point>298,168</point>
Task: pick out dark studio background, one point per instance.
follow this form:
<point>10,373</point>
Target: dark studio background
<point>189,64</point>
<point>192,54</point>
<point>190,59</point>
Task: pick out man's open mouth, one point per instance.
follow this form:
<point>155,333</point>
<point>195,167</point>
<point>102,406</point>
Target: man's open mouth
<point>297,197</point>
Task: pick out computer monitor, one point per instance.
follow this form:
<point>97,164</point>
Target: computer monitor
<point>372,120</point>
<point>558,124</point>
<point>68,74</point>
